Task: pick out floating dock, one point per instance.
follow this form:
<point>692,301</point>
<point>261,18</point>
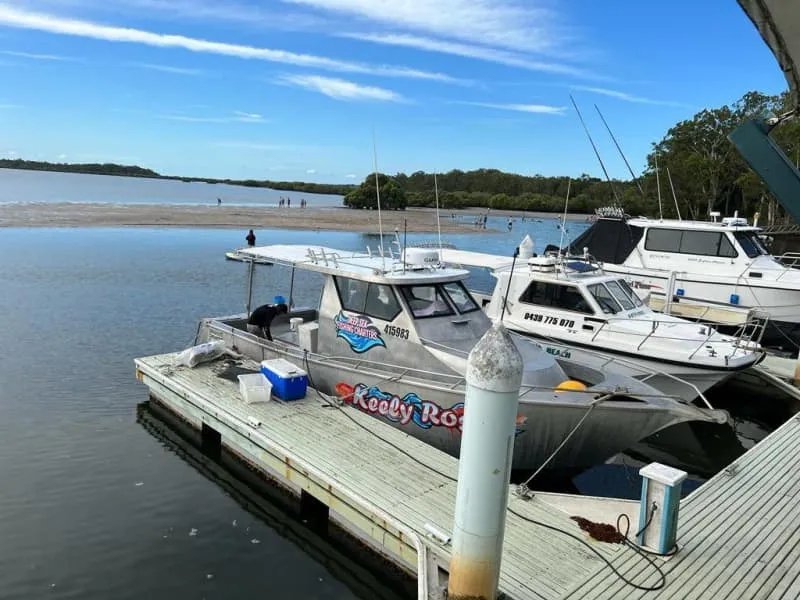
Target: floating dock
<point>736,533</point>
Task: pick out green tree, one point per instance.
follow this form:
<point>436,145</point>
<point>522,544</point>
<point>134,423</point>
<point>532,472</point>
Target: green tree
<point>365,195</point>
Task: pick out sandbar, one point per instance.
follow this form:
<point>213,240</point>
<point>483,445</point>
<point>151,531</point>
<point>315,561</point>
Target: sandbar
<point>257,217</point>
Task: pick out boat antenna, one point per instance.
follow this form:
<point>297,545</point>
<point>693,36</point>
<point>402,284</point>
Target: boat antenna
<point>438,222</point>
<point>627,164</point>
<point>564,220</point>
<point>658,187</point>
<point>674,197</point>
<point>508,287</point>
<point>378,191</point>
<point>405,243</point>
<point>596,153</point>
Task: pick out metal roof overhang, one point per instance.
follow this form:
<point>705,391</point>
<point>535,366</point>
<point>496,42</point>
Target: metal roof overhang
<point>778,22</point>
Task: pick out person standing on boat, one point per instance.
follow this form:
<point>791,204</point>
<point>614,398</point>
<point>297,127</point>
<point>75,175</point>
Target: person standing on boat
<point>261,318</point>
<point>251,238</point>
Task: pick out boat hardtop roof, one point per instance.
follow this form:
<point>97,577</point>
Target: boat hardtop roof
<point>388,269</point>
<point>728,224</point>
<point>475,259</point>
<point>565,269</point>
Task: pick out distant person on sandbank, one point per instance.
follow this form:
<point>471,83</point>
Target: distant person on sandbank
<point>251,238</point>
<point>219,201</point>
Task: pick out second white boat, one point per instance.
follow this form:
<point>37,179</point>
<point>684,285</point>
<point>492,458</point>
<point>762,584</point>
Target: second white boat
<point>575,310</point>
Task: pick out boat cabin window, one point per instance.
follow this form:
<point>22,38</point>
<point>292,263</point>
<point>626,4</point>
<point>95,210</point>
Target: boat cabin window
<point>637,302</point>
<point>605,299</point>
<point>426,301</point>
<point>621,295</point>
<point>460,297</point>
<point>372,299</point>
<point>750,243</point>
<point>702,243</point>
<point>566,297</point>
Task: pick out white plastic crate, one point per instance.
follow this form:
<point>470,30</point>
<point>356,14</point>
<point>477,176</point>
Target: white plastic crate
<point>254,387</point>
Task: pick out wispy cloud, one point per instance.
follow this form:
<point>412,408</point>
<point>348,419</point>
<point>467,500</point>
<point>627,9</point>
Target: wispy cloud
<point>311,171</point>
<point>248,117</point>
<point>169,69</point>
<point>9,106</point>
<point>528,27</point>
<point>351,176</point>
<point>341,89</point>
<point>627,97</point>
<point>503,57</point>
<point>237,117</point>
<point>23,19</point>
<point>215,11</point>
<point>541,109</point>
<point>34,56</point>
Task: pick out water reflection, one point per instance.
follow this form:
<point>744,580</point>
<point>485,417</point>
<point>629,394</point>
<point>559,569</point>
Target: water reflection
<point>343,557</point>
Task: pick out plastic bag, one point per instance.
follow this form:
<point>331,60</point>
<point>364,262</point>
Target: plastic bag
<point>191,357</point>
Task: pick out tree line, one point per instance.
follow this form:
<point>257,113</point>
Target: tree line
<point>699,171</point>
<point>87,168</point>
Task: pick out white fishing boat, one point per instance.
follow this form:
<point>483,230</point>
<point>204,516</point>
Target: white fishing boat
<point>576,310</point>
<point>391,338</point>
<point>716,265</point>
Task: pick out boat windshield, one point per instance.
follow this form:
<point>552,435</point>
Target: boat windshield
<point>605,299</point>
<point>620,289</point>
<point>460,297</point>
<point>750,243</point>
<point>426,301</point>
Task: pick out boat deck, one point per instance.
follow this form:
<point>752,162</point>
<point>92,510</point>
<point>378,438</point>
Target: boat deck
<point>737,534</point>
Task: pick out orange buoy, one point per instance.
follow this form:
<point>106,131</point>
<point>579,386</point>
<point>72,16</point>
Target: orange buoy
<point>570,385</point>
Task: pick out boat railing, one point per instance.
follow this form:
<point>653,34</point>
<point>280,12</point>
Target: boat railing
<point>789,259</point>
<point>377,370</point>
<point>746,339</point>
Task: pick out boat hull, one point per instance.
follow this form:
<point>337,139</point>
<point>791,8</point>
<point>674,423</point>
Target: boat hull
<point>433,411</point>
<point>680,381</point>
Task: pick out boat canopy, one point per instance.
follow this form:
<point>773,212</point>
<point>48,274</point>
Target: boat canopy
<point>422,267</point>
<point>608,240</point>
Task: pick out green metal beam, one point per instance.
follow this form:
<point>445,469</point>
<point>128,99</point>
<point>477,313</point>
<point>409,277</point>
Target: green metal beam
<point>769,162</point>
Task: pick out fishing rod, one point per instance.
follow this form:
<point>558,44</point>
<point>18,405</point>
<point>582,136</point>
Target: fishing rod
<point>596,153</point>
<point>627,164</point>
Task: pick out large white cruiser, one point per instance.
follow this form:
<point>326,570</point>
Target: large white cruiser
<point>391,337</point>
<point>708,264</point>
<point>575,309</point>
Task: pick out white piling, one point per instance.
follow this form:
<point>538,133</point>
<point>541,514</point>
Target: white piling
<point>494,377</point>
<point>796,378</point>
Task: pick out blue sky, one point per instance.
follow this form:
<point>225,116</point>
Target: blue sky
<point>293,89</point>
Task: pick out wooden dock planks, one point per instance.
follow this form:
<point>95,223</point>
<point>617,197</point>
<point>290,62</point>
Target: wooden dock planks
<point>738,533</point>
<point>358,452</point>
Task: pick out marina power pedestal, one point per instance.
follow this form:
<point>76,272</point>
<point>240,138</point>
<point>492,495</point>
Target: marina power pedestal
<point>661,488</point>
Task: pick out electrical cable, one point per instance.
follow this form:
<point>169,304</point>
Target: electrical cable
<point>662,577</point>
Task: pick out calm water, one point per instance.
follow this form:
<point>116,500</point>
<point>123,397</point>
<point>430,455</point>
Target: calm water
<point>92,505</point>
<point>43,186</point>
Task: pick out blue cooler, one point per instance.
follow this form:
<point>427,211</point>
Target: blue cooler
<point>288,381</point>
